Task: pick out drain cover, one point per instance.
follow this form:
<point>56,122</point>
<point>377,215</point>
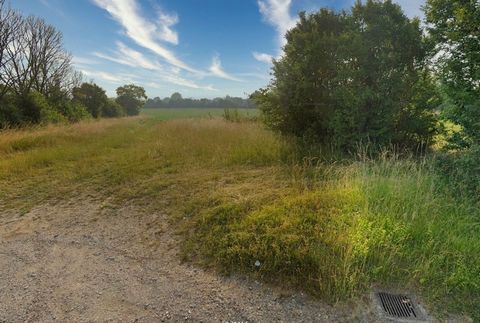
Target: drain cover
<point>399,308</point>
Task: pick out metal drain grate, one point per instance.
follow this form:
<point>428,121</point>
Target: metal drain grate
<point>399,306</point>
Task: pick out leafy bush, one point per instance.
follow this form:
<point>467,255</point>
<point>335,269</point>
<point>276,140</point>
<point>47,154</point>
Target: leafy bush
<point>462,109</point>
<point>112,109</point>
<point>353,77</point>
<point>452,26</point>
<point>10,115</point>
<point>91,96</point>
<point>36,109</point>
<point>74,111</point>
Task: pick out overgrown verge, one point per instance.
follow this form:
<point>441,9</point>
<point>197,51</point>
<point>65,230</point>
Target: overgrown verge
<point>239,194</point>
<point>335,230</point>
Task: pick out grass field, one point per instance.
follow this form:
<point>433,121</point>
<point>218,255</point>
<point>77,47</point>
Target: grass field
<point>239,194</point>
<point>177,113</point>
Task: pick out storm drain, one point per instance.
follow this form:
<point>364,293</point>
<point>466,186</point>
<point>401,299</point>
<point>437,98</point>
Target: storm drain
<point>398,306</point>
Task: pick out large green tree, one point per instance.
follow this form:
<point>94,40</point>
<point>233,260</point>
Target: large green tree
<point>454,33</point>
<point>131,97</point>
<point>91,96</point>
<point>348,77</point>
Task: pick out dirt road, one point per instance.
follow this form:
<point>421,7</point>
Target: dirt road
<point>83,261</point>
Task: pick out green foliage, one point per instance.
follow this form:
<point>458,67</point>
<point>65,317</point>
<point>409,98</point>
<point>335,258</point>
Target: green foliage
<point>131,97</point>
<point>112,109</point>
<point>455,47</point>
<point>353,77</point>
<point>36,109</point>
<point>91,96</point>
<point>461,171</point>
<point>74,111</point>
<point>10,115</point>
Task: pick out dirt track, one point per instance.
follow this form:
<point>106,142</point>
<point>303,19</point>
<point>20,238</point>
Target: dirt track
<point>84,262</point>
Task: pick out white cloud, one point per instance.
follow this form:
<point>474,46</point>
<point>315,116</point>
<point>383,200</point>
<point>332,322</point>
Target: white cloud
<point>262,57</point>
<point>144,32</point>
<point>217,70</point>
<point>106,76</point>
<point>166,22</point>
<point>77,60</point>
<point>277,14</point>
<point>130,57</point>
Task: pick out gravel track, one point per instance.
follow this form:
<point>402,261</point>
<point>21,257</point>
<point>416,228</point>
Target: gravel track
<point>83,261</point>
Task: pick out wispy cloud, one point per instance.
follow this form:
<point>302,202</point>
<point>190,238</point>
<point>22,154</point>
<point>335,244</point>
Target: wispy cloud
<point>55,6</point>
<point>166,22</point>
<point>262,57</point>
<point>217,70</point>
<point>130,57</point>
<point>104,76</point>
<point>80,61</point>
<point>277,14</point>
<point>144,32</point>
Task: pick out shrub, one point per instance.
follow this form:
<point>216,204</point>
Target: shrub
<point>10,115</point>
<point>352,77</point>
<point>91,96</point>
<point>452,29</point>
<point>74,111</point>
<point>36,109</point>
<point>112,109</point>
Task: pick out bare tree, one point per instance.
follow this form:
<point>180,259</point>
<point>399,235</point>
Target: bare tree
<point>10,22</point>
<point>34,57</point>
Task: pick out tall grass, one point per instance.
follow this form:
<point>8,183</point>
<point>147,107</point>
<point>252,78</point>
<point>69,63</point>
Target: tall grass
<point>245,201</point>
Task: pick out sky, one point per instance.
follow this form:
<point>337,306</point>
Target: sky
<point>200,48</point>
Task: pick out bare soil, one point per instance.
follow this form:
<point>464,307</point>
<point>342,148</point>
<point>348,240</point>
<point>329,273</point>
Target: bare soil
<point>84,261</point>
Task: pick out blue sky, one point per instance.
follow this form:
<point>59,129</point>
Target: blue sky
<point>200,48</point>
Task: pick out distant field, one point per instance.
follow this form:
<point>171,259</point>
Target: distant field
<point>183,113</point>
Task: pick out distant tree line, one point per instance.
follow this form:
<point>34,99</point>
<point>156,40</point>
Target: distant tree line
<point>177,101</point>
<point>38,83</point>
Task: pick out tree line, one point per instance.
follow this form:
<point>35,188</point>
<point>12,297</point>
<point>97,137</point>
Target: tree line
<point>176,100</point>
<point>38,83</point>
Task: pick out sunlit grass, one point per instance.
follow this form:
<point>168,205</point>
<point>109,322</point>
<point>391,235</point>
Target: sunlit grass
<point>239,194</point>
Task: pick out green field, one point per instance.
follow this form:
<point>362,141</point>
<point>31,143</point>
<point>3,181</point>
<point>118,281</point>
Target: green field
<point>177,113</point>
<point>237,194</point>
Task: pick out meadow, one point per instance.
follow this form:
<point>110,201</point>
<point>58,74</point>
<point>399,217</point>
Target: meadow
<point>247,201</point>
<point>178,113</point>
